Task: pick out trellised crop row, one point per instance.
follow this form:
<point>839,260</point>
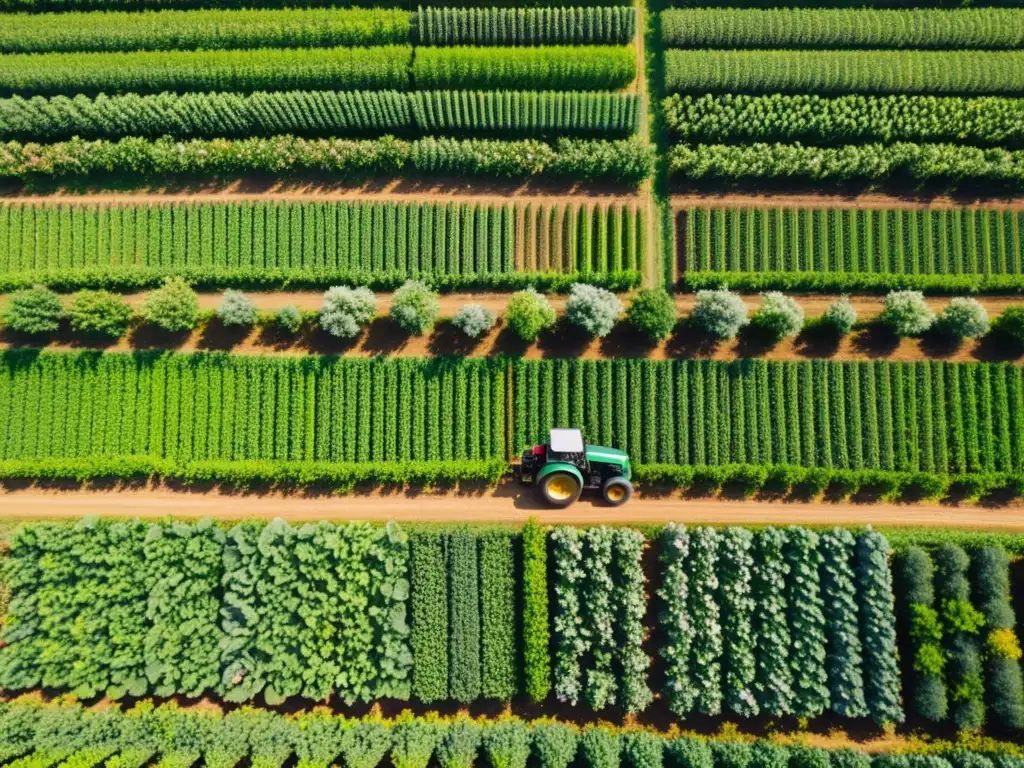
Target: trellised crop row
<point>842,28</point>
<point>841,245</point>
<point>525,26</point>
<point>316,242</point>
<point>813,119</point>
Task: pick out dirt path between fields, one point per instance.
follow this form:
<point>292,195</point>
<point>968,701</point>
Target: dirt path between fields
<point>508,503</point>
<point>384,338</point>
<point>864,200</point>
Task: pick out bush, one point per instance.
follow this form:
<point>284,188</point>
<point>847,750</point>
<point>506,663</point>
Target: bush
<point>474,320</point>
<point>346,310</point>
<point>33,310</point>
<point>289,319</point>
<point>963,318</point>
<point>507,743</point>
<point>173,307</point>
<point>906,313</point>
<point>236,309</point>
<point>720,313</point>
<point>1011,322</point>
<point>642,750</point>
<point>554,744</point>
<point>599,748</point>
<point>528,313</point>
<point>460,744</point>
<point>652,312</point>
<point>779,315</point>
<point>595,310</point>
<point>686,752</point>
<point>100,312</point>
<point>840,316</point>
<point>414,307</point>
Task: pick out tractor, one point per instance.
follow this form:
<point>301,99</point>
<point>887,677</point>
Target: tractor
<point>565,465</point>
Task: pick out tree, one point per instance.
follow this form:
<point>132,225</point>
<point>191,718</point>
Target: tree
<point>906,313</point>
<point>840,316</point>
<point>653,313</point>
<point>593,309</point>
<point>237,309</point>
<point>528,313</point>
<point>779,315</point>
<point>414,307</point>
<point>1011,322</point>
<point>963,318</point>
<point>99,312</point>
<point>720,313</point>
<point>173,307</point>
<point>33,310</point>
<point>474,320</point>
<point>289,319</point>
<point>346,310</point>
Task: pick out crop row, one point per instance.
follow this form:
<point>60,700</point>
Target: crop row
<point>625,161</point>
<point>313,242</point>
<point>842,28</point>
<point>843,72</point>
<point>982,121</point>
<point>947,164</point>
<point>314,28</point>
<point>383,67</point>
<point>326,114</point>
<point>922,417</point>
<point>909,243</point>
<point>69,6</point>
<point>172,736</point>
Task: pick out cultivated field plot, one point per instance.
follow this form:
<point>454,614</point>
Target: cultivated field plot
<point>849,249</point>
<point>266,243</point>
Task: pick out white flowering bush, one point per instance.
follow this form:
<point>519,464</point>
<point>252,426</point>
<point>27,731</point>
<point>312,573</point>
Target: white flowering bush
<point>704,611</point>
<point>414,307</point>
<point>346,310</point>
<point>594,310</point>
<point>236,309</point>
<point>599,623</point>
<point>906,313</point>
<point>878,629</point>
<point>474,320</point>
<point>779,315</point>
<point>735,566</point>
<point>719,313</point>
<point>680,691</point>
<point>840,316</point>
<point>630,606</point>
<point>773,682</point>
<point>570,645</point>
<point>963,318</point>
<point>839,594</point>
<point>806,623</point>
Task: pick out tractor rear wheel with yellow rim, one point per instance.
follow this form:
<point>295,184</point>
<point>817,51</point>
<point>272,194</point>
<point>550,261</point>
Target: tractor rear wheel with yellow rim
<point>560,489</point>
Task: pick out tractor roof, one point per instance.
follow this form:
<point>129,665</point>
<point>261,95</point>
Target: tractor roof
<point>566,440</point>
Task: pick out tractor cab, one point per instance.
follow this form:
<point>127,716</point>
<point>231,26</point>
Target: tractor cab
<point>564,466</point>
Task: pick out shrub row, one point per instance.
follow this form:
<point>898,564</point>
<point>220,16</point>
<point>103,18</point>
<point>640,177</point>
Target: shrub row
<point>207,29</point>
<point>429,613</point>
<point>525,26</point>
<point>321,114</point>
<point>536,633</point>
<point>980,120</point>
<point>918,164</point>
<point>315,243</point>
<point>51,74</point>
<point>624,161</point>
<point>842,28</point>
<point>464,678</point>
<point>843,72</point>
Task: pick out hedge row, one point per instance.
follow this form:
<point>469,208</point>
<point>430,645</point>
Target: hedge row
<point>842,72</point>
<point>625,161</point>
<point>312,114</point>
<point>809,118</point>
<point>842,28</point>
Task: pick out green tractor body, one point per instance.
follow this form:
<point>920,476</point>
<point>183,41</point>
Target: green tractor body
<point>564,466</point>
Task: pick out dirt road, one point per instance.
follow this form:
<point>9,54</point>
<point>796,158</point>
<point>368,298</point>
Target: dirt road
<point>506,504</point>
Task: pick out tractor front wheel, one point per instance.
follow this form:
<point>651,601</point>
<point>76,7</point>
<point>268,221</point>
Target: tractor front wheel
<point>617,491</point>
<point>559,489</point>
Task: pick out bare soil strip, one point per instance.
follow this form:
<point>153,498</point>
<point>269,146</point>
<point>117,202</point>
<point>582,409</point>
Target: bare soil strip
<point>508,503</point>
<point>865,200</point>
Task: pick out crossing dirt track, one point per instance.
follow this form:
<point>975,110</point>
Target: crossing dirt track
<point>508,503</point>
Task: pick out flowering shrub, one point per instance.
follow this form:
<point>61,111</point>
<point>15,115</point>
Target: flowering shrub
<point>346,310</point>
<point>680,690</point>
<point>720,313</point>
<point>595,310</point>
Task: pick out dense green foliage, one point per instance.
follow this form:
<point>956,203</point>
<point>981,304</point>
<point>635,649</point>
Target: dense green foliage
<point>429,599</point>
<point>842,28</point>
<point>916,606</point>
<point>325,114</point>
<point>498,611</point>
<point>317,243</point>
<point>32,310</point>
<point>587,68</point>
<point>464,601</point>
<point>204,29</point>
<point>813,119</point>
<point>882,686</point>
<point>536,632</point>
<point>525,26</point>
<point>854,247</point>
<point>49,74</point>
<point>172,307</point>
<point>99,312</point>
<point>652,312</point>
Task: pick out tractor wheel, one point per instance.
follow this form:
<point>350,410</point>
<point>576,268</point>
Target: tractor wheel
<point>617,491</point>
<point>559,489</point>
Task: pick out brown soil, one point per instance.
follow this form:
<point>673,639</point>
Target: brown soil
<point>508,503</point>
<point>384,338</point>
<point>861,200</point>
